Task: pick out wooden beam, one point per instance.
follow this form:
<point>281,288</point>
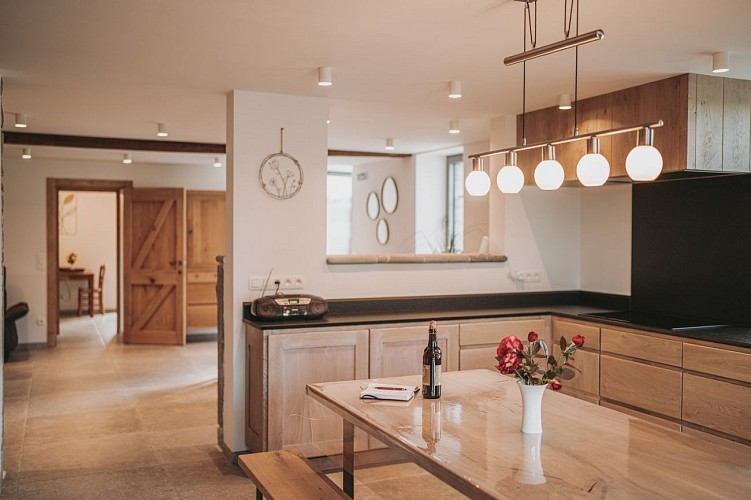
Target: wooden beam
<point>338,152</point>
<point>76,141</point>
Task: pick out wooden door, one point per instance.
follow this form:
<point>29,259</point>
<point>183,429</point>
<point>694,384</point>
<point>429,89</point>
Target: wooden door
<point>205,240</point>
<point>153,260</point>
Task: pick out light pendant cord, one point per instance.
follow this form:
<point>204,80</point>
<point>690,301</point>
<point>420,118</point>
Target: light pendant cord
<point>576,72</point>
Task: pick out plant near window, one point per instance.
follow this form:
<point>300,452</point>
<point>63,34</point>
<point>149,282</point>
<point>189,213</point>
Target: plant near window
<point>513,357</point>
<point>71,258</point>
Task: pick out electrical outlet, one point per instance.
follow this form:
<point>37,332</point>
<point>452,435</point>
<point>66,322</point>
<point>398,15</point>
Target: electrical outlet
<point>526,276</point>
<point>286,282</point>
<point>40,321</point>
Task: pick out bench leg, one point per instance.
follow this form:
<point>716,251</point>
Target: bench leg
<point>348,458</point>
<point>259,495</point>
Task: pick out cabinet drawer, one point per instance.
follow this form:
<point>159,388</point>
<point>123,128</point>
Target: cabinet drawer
<point>201,293</point>
<point>644,347</point>
<point>491,332</point>
<point>721,362</point>
<point>718,405</point>
<point>568,329</point>
<point>477,357</point>
<point>649,387</point>
<point>589,379</point>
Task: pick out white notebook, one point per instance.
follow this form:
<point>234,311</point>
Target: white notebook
<point>394,392</point>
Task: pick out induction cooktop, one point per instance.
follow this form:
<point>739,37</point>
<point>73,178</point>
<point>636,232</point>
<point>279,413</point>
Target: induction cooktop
<point>661,321</point>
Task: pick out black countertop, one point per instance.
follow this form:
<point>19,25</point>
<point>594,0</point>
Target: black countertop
<point>565,304</point>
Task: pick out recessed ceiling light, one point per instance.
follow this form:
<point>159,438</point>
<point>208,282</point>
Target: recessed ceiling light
<point>162,130</point>
<point>454,127</point>
<point>324,77</point>
<point>126,159</point>
<point>455,89</point>
<point>26,154</point>
<point>20,120</point>
<point>217,163</point>
<point>720,62</point>
<point>564,101</point>
<point>390,144</point>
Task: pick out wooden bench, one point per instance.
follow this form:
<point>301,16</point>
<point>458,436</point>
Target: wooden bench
<point>286,474</point>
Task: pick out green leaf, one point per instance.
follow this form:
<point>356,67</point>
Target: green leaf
<point>563,343</point>
<point>567,374</point>
<point>552,361</point>
<point>536,349</point>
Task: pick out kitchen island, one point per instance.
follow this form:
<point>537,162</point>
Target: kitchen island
<point>471,439</point>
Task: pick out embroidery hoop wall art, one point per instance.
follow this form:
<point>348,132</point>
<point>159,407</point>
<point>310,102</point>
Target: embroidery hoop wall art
<point>280,174</point>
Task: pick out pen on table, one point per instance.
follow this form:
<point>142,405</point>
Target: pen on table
<point>390,388</point>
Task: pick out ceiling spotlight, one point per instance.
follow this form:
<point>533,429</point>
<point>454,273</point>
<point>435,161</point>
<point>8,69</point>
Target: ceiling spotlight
<point>328,121</point>
<point>510,178</point>
<point>26,154</point>
<point>454,127</point>
<point>390,145</point>
<point>478,182</point>
<point>20,120</point>
<point>455,89</point>
<point>564,101</point>
<point>126,159</point>
<point>549,172</point>
<point>644,162</point>
<point>720,62</point>
<point>593,169</point>
<point>162,130</point>
<point>217,163</point>
<point>324,77</point>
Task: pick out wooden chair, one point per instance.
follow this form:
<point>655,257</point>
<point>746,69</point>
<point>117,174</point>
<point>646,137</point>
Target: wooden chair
<point>88,297</point>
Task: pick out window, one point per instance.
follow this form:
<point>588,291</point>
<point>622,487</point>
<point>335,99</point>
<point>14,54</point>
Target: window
<point>339,210</point>
<point>455,204</point>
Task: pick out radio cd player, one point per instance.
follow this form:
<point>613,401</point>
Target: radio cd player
<point>281,306</point>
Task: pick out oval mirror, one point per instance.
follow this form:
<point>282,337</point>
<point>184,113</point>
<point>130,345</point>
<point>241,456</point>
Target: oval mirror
<point>373,206</point>
<point>382,232</point>
<point>389,195</point>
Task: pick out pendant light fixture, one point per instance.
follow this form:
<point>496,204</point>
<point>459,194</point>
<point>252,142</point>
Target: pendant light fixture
<point>644,162</point>
<point>26,154</point>
<point>593,169</point>
<point>549,172</point>
<point>455,89</point>
<point>217,163</point>
<point>454,127</point>
<point>564,101</point>
<point>720,62</point>
<point>161,130</point>
<point>126,159</point>
<point>510,178</point>
<point>478,182</point>
<point>324,77</point>
<point>389,144</point>
<point>20,120</point>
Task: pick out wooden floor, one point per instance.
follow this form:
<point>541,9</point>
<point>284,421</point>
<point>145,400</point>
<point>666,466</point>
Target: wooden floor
<point>94,418</point>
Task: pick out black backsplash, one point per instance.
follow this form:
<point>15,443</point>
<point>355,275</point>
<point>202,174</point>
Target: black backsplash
<point>691,248</point>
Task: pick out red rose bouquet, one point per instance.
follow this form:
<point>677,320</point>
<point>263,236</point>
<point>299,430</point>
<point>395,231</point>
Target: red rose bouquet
<point>514,358</point>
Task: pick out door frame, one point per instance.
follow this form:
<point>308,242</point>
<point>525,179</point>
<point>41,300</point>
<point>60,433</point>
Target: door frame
<point>54,186</point>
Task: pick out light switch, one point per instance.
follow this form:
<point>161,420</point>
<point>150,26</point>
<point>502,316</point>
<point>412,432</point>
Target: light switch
<point>40,262</point>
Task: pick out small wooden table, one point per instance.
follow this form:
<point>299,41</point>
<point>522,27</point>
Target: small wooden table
<point>83,275</point>
<point>471,439</point>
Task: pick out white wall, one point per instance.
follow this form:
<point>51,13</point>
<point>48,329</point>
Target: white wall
<point>430,203</point>
<point>605,257</point>
<point>26,218</point>
<point>477,208</point>
<point>94,241</point>
<point>401,222</point>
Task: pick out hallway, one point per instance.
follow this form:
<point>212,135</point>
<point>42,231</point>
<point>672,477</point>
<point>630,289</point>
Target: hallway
<point>94,418</point>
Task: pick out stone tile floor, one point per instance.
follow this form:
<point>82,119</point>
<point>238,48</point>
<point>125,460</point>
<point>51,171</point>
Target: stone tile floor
<point>97,419</point>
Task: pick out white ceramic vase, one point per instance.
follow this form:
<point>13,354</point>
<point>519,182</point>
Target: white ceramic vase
<point>532,407</point>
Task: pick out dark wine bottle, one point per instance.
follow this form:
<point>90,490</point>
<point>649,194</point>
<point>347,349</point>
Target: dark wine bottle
<point>431,365</point>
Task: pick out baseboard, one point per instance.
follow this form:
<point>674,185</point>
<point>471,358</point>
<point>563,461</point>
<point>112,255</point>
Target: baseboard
<point>31,346</point>
<point>232,455</point>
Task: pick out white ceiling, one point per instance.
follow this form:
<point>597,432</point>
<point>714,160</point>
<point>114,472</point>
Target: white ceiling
<point>116,68</point>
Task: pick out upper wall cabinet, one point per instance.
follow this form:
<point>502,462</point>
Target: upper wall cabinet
<point>707,125</point>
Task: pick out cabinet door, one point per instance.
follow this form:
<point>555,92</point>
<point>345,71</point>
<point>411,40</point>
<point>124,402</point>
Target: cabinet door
<point>479,341</point>
<point>586,384</point>
<point>398,351</point>
<point>647,387</point>
<point>298,359</point>
<point>717,405</point>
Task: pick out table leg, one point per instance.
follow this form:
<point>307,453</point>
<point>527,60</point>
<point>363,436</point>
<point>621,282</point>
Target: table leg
<point>91,296</point>
<point>348,458</point>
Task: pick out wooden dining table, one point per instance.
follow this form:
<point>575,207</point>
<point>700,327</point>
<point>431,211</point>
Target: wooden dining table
<point>86,275</point>
<point>471,439</point>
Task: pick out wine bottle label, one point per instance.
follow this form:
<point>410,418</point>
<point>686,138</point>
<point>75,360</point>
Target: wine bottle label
<point>426,375</point>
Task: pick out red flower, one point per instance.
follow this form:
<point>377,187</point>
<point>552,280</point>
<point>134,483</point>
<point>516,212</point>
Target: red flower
<point>509,363</point>
<point>532,337</point>
<point>578,340</point>
<point>555,384</point>
<point>509,344</point>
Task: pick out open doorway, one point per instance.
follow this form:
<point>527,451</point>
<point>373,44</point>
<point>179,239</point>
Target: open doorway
<point>59,249</point>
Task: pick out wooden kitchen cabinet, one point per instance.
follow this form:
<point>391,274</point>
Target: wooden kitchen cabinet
<point>641,372</point>
<point>586,384</point>
<point>297,359</point>
<point>397,351</point>
<point>478,341</point>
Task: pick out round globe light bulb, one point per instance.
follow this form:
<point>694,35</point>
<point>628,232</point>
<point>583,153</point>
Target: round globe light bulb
<point>644,163</point>
<point>549,175</point>
<point>510,179</point>
<point>593,169</point>
<point>477,183</point>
